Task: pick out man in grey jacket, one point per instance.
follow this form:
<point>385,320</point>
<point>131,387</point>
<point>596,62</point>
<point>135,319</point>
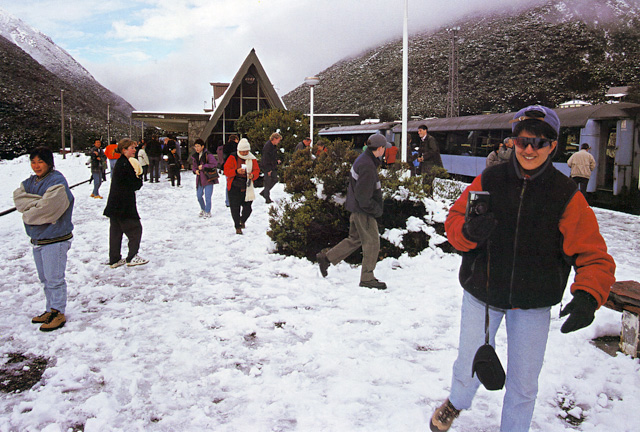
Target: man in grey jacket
<point>364,201</point>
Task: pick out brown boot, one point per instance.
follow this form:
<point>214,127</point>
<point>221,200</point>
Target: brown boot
<point>238,230</point>
<point>41,318</point>
<point>54,322</point>
<point>443,417</point>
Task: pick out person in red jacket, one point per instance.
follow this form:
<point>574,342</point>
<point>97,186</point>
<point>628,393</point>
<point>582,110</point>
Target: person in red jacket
<point>518,249</point>
<point>111,151</point>
<point>241,170</point>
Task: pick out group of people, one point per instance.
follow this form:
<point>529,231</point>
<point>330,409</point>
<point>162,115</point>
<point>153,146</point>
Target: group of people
<point>517,251</point>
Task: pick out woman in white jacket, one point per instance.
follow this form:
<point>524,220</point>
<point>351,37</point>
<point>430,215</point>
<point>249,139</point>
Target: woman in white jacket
<point>144,161</point>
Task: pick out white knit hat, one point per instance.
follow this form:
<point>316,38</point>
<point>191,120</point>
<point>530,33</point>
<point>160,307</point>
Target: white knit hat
<point>244,145</point>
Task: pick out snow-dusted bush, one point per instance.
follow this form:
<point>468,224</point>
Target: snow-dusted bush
<point>314,217</point>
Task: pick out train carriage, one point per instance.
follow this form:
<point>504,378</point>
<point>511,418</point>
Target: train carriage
<point>611,130</point>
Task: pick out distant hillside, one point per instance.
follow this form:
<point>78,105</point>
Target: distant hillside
<point>546,54</point>
<point>30,84</point>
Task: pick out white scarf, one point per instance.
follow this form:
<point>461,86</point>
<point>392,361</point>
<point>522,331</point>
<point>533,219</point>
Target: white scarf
<point>250,195</point>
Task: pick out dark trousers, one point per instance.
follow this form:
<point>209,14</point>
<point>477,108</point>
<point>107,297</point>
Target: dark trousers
<point>174,174</point>
<point>154,163</point>
<point>269,182</point>
<point>363,233</point>
<point>582,184</point>
<point>132,228</point>
<point>240,209</point>
<point>145,171</point>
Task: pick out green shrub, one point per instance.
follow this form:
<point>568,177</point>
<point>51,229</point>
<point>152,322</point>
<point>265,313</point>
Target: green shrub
<point>332,167</point>
<point>297,175</point>
<point>307,223</point>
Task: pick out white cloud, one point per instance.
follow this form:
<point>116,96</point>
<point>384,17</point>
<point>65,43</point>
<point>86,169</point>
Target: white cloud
<point>162,54</point>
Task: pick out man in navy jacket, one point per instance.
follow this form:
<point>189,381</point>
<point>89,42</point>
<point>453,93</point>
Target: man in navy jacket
<point>364,201</point>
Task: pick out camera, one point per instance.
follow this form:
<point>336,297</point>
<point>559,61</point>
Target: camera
<point>478,203</point>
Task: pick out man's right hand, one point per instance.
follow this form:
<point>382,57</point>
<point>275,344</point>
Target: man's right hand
<point>479,228</point>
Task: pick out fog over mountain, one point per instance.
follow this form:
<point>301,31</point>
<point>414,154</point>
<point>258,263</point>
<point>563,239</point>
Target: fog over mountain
<point>547,54</point>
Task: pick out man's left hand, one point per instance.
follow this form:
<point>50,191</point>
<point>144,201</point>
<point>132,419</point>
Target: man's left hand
<point>581,311</point>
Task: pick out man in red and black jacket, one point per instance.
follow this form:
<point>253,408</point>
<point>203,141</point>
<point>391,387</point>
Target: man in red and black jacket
<point>517,257</point>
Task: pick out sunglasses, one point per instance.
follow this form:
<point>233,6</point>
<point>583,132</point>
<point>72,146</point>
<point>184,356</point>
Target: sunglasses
<point>535,143</point>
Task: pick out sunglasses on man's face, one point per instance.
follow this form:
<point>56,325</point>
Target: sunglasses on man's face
<point>535,143</point>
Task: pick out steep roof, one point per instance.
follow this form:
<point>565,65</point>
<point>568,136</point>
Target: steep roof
<point>265,85</point>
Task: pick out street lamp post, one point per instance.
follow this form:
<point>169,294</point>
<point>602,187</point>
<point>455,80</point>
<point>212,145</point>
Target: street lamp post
<point>64,155</point>
<point>311,82</point>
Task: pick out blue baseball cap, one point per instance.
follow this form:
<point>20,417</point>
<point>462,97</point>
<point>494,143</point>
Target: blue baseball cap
<point>537,112</point>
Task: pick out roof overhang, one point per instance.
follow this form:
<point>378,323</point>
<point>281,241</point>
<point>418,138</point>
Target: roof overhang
<point>168,121</point>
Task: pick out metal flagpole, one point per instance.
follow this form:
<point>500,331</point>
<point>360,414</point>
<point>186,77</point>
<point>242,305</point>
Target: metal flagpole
<point>405,79</point>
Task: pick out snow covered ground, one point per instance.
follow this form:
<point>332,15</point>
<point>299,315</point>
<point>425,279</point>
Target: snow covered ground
<point>218,333</point>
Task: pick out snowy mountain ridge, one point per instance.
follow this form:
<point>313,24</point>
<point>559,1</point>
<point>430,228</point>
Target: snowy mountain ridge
<point>41,48</point>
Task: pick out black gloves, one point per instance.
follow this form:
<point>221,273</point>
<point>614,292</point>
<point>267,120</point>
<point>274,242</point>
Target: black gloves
<point>581,311</point>
<point>479,228</point>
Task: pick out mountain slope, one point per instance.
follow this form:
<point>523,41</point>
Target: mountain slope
<point>547,54</point>
<point>30,84</point>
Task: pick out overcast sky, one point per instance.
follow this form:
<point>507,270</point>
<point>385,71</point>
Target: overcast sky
<point>161,55</point>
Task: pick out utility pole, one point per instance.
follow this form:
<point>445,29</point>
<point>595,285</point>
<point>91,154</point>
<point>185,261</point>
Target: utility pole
<point>108,124</point>
<point>453,100</point>
<point>405,81</point>
<point>64,156</point>
<point>71,134</point>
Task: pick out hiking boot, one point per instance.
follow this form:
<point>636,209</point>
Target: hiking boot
<point>206,215</point>
<point>201,214</point>
<point>238,230</point>
<point>443,417</point>
<point>136,261</point>
<point>41,318</point>
<point>323,262</point>
<point>118,263</point>
<point>375,284</point>
<point>54,321</point>
<point>242,225</point>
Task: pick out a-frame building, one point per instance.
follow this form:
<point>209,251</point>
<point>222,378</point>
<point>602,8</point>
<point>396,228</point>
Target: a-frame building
<point>249,91</point>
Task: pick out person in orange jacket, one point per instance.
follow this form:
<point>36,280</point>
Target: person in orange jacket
<point>111,151</point>
<point>241,170</point>
<point>518,247</point>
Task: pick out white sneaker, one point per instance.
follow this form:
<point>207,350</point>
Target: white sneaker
<point>207,215</point>
<point>201,214</point>
<point>136,261</point>
<point>118,264</point>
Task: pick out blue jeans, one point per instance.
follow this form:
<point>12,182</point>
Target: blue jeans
<point>527,333</point>
<point>51,262</point>
<point>97,181</point>
<point>205,203</point>
<point>112,163</point>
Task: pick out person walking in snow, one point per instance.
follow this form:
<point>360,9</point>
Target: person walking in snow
<point>98,167</point>
<point>519,271</point>
<point>364,201</point>
<point>122,211</point>
<point>203,163</point>
<point>174,164</point>
<point>154,151</point>
<point>46,204</point>
<point>270,162</point>
<point>143,158</point>
<point>582,165</point>
<point>111,151</point>
<point>241,170</point>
